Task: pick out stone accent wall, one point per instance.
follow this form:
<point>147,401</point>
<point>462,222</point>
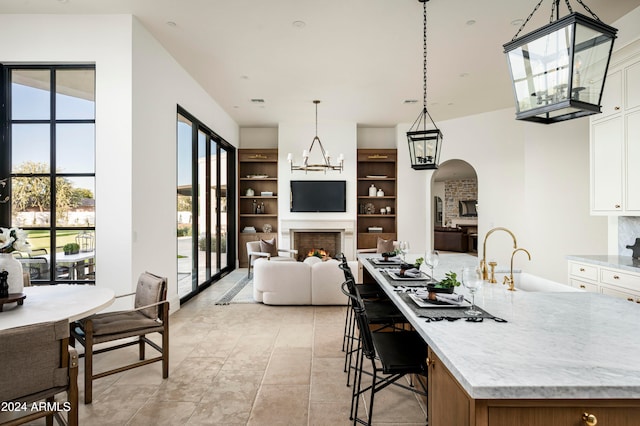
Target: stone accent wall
<point>458,190</point>
<point>306,241</point>
<point>628,231</point>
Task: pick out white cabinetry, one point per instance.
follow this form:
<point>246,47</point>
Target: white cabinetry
<point>606,280</point>
<point>615,143</point>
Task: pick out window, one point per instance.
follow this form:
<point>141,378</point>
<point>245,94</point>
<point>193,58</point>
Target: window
<point>205,244</point>
<point>49,147</point>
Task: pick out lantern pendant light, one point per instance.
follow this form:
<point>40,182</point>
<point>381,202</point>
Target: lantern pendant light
<point>558,71</point>
<point>424,144</point>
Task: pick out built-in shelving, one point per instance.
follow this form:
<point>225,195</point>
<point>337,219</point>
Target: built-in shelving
<point>257,170</point>
<point>376,167</point>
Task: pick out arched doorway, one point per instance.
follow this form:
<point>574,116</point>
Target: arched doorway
<point>454,188</point>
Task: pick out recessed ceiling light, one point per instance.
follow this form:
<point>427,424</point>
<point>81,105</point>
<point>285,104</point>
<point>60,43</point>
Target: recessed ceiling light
<point>471,22</point>
<point>171,24</point>
<point>410,101</point>
<point>299,24</point>
<point>517,22</point>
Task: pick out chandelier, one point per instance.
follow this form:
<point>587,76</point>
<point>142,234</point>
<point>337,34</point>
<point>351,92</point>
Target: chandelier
<point>318,167</point>
<point>424,144</point>
<point>558,71</point>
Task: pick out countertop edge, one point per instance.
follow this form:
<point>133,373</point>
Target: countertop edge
<point>626,263</point>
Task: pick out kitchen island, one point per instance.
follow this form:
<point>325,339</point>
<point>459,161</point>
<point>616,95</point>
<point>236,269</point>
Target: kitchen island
<point>558,356</point>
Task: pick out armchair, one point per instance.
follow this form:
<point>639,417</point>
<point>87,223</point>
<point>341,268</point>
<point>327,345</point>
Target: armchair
<point>38,364</point>
<point>268,250</point>
<point>150,315</point>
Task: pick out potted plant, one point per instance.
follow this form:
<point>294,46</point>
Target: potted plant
<point>445,286</point>
<point>71,248</point>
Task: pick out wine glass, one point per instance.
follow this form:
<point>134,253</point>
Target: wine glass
<point>404,249</point>
<point>472,280</point>
<point>432,259</point>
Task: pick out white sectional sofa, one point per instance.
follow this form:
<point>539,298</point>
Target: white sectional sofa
<point>312,282</point>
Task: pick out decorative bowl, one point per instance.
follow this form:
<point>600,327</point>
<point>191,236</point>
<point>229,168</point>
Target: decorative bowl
<point>433,289</point>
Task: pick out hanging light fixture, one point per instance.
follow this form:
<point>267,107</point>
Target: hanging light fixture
<point>424,144</point>
<point>558,71</point>
<point>320,167</point>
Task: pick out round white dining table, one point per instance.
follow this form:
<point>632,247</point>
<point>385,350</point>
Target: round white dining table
<point>55,302</point>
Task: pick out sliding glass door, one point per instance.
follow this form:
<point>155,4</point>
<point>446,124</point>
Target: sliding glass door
<point>205,162</point>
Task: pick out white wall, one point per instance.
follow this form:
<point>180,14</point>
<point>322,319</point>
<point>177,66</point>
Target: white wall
<point>138,86</point>
<point>532,179</point>
<point>105,41</point>
<point>337,138</point>
<point>259,137</point>
<point>159,85</point>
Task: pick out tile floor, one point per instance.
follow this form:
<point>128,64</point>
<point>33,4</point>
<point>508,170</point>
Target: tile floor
<point>241,364</point>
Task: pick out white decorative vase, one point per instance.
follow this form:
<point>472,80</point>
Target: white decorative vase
<point>14,268</point>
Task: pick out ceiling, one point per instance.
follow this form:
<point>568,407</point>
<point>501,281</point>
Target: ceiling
<point>361,58</point>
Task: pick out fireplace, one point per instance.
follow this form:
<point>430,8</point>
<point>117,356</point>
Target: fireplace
<point>342,235</point>
<point>307,242</point>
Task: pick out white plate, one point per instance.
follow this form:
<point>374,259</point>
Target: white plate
<point>376,176</point>
<point>394,276</point>
<point>391,261</point>
<point>426,304</point>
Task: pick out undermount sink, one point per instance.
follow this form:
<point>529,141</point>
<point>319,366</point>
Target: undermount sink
<point>528,282</point>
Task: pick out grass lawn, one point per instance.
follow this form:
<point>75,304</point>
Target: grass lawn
<point>41,239</point>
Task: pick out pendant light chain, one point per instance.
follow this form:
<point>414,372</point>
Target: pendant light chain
<point>588,10</point>
<point>555,8</point>
<point>424,51</point>
<point>535,9</point>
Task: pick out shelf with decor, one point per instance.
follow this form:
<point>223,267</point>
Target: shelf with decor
<point>376,196</point>
<point>257,174</point>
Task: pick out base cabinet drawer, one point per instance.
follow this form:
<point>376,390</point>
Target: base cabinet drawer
<point>569,416</point>
<point>621,294</point>
<point>621,279</point>
<point>583,285</point>
<point>580,270</point>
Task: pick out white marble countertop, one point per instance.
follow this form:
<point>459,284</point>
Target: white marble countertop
<point>576,345</point>
<point>619,262</point>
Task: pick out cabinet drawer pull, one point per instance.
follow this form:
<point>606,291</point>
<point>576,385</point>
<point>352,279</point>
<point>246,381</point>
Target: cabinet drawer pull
<point>617,206</point>
<point>630,299</point>
<point>430,362</point>
<point>581,269</point>
<point>616,277</point>
<point>616,108</point>
<point>589,419</point>
<point>583,286</point>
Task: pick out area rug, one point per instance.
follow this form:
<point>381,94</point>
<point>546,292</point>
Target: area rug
<point>241,292</point>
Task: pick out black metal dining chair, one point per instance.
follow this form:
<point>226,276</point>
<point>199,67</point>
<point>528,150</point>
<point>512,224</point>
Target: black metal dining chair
<point>366,291</point>
<point>393,355</point>
<point>382,313</point>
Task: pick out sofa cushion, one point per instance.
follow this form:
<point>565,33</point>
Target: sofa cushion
<point>326,282</point>
<point>269,246</point>
<point>282,283</point>
<point>312,260</point>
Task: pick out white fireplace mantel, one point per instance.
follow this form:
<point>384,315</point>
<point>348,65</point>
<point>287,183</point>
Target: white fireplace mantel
<point>346,228</point>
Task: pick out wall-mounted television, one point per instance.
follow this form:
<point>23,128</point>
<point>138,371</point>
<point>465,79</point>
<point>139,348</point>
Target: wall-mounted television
<point>318,196</point>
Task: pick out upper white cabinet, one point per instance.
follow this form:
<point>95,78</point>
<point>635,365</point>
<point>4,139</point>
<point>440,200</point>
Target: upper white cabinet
<point>615,143</point>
